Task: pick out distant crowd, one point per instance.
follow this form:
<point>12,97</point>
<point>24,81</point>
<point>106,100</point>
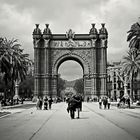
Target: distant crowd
<point>46,102</point>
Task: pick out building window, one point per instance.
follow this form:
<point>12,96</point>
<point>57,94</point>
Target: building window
<point>115,98</point>
<point>119,85</point>
<point>128,86</point>
<point>128,92</point>
<point>114,86</point>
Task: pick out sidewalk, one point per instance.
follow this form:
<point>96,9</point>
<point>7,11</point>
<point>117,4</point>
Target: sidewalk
<point>7,110</point>
<point>134,111</point>
<point>132,105</point>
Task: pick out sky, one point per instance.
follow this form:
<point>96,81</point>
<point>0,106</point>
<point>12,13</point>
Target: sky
<point>18,19</point>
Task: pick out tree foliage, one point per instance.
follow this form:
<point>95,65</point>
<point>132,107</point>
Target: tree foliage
<point>61,85</point>
<point>26,87</point>
<point>134,38</point>
<point>13,62</point>
<point>131,67</point>
<point>79,86</point>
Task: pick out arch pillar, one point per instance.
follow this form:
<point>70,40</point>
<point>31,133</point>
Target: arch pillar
<point>46,65</point>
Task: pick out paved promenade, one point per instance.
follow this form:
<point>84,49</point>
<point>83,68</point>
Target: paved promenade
<point>56,124</point>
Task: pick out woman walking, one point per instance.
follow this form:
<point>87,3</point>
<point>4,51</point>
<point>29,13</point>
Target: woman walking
<point>100,103</point>
<point>50,102</point>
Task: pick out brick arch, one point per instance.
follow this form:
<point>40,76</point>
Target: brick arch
<point>51,50</point>
<point>81,60</point>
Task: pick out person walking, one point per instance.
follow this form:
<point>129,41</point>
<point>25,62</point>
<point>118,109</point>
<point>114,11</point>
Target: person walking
<point>45,103</point>
<point>100,103</point>
<point>78,100</point>
<point>105,102</point>
<point>40,103</point>
<point>72,107</point>
<point>118,102</point>
<point>87,99</point>
<point>108,102</point>
<point>50,102</point>
<point>128,102</point>
<point>37,103</point>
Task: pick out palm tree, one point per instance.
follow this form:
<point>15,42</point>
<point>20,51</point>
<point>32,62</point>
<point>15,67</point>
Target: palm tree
<point>131,67</point>
<point>14,63</point>
<point>4,61</point>
<point>134,38</point>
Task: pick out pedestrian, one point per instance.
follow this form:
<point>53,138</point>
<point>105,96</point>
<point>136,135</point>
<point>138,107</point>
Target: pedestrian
<point>105,102</point>
<point>45,103</point>
<point>37,103</point>
<point>78,100</point>
<point>128,102</point>
<point>40,103</point>
<point>72,107</point>
<point>108,102</point>
<point>118,102</point>
<point>100,103</point>
<point>87,99</point>
<point>50,102</point>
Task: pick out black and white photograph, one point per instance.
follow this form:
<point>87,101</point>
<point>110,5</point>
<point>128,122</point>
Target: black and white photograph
<point>69,69</point>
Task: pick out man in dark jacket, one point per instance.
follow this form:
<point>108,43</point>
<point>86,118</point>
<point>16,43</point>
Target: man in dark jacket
<point>78,99</point>
<point>50,102</point>
<point>72,107</point>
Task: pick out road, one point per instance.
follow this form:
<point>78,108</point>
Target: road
<point>56,124</point>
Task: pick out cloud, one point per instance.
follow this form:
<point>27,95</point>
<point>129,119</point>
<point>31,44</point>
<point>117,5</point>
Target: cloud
<point>18,18</point>
<point>70,70</point>
<point>16,25</point>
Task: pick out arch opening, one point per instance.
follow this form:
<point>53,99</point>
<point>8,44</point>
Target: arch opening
<point>70,70</point>
<point>70,59</point>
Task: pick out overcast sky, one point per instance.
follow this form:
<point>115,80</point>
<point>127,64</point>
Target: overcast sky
<point>18,19</point>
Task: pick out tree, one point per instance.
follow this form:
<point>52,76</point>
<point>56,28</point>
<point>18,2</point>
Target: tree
<point>134,38</point>
<point>13,62</point>
<point>131,67</point>
<point>4,60</point>
<point>79,86</point>
<point>26,87</point>
<point>61,85</point>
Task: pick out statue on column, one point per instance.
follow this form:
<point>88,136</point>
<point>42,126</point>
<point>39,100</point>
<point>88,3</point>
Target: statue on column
<point>93,31</point>
<point>70,35</point>
<point>103,35</point>
<point>93,34</point>
<point>36,35</point>
<point>37,32</point>
<point>47,34</point>
<point>103,30</point>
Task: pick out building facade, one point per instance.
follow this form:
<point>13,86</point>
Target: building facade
<point>117,84</point>
<point>51,50</point>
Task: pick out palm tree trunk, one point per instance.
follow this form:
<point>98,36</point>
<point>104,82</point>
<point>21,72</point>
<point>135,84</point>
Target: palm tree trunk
<point>132,86</point>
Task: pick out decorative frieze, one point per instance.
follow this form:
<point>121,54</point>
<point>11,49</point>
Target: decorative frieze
<point>71,44</point>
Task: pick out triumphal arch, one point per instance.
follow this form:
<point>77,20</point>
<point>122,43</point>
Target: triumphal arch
<point>51,50</point>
